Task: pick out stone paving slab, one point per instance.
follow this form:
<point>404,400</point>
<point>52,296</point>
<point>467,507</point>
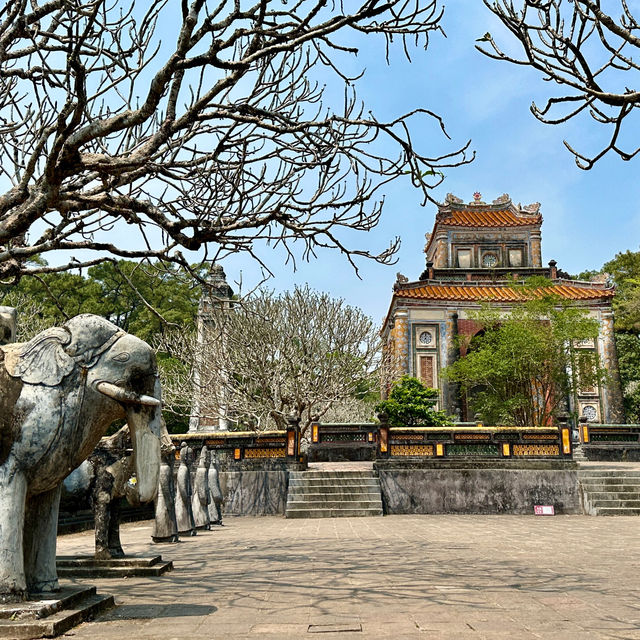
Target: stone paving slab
<point>431,577</point>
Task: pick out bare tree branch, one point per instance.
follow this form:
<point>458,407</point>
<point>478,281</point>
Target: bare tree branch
<point>217,136</point>
<point>300,353</point>
<point>589,53</point>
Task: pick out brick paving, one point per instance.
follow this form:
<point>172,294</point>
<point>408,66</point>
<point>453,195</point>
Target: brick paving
<point>432,577</point>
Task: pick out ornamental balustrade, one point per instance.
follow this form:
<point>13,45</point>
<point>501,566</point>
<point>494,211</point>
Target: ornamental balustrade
<point>247,445</point>
<point>613,434</point>
<point>461,440</point>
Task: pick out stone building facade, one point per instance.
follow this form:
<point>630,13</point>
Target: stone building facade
<point>474,255</point>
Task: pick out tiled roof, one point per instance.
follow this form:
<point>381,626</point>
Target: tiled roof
<point>505,218</point>
<point>501,293</point>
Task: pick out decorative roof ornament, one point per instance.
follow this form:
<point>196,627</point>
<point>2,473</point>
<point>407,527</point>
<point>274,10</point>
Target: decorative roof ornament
<point>451,199</point>
<point>531,208</point>
<point>503,199</point>
<point>477,199</point>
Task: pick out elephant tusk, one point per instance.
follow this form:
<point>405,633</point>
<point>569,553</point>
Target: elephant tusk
<point>126,397</point>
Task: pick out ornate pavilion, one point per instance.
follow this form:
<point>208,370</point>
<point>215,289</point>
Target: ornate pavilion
<point>474,254</point>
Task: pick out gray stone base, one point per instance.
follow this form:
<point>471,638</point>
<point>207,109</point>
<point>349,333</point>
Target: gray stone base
<point>254,493</point>
<point>612,452</point>
<point>478,491</point>
<point>51,614</point>
<point>89,567</point>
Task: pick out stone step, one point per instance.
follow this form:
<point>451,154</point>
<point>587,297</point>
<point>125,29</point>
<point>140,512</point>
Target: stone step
<point>607,473</point>
<point>599,503</point>
<point>333,474</point>
<point>70,613</point>
<point>335,504</point>
<point>618,511</point>
<point>332,513</point>
<point>338,489</point>
<point>114,571</point>
<point>334,482</point>
<point>613,495</point>
<point>334,495</point>
<point>600,486</point>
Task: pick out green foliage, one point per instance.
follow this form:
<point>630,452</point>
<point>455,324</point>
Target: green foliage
<point>412,404</point>
<point>586,275</point>
<point>524,364</point>
<point>628,345</point>
<point>122,292</point>
<point>624,269</point>
<point>107,291</point>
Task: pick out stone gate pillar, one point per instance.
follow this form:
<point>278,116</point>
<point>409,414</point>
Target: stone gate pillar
<point>612,393</point>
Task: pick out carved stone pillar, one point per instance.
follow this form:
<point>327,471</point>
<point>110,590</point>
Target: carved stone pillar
<point>450,390</point>
<point>613,405</point>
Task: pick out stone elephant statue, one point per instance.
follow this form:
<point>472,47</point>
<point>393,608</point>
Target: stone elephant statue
<point>59,393</point>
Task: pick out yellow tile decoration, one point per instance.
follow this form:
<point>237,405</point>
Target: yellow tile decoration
<point>265,453</point>
<point>505,448</point>
<point>407,436</point>
<point>536,450</point>
<point>411,450</point>
<point>539,436</point>
<point>439,449</point>
<point>472,436</point>
<point>566,444</point>
<point>585,434</point>
<point>314,437</point>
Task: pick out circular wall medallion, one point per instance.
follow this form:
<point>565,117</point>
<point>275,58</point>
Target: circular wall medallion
<point>425,338</point>
<point>489,260</point>
<point>589,412</point>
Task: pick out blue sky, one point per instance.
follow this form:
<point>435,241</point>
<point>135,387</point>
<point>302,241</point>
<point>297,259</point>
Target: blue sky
<point>588,216</point>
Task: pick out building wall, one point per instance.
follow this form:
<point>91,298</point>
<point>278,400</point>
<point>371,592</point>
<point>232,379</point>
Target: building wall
<point>445,322</point>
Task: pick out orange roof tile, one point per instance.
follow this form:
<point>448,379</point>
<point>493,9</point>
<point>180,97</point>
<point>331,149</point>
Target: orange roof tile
<point>498,293</point>
<point>505,218</point>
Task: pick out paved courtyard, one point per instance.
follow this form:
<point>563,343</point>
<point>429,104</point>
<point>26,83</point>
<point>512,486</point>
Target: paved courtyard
<point>432,577</point>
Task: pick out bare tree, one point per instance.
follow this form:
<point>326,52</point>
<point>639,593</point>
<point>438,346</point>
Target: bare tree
<point>301,353</point>
<point>202,126</point>
<point>591,54</point>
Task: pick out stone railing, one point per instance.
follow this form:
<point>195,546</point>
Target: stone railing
<point>370,441</point>
<point>609,433</point>
<point>241,446</point>
<point>477,441</point>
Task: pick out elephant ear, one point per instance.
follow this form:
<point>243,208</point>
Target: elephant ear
<point>43,359</point>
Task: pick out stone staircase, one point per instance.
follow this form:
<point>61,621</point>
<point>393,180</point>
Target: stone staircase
<point>610,492</point>
<point>578,453</point>
<point>333,494</point>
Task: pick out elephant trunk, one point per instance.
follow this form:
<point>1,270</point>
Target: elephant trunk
<point>146,450</point>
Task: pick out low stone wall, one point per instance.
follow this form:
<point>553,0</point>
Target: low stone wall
<point>254,493</point>
<point>612,452</point>
<point>478,490</point>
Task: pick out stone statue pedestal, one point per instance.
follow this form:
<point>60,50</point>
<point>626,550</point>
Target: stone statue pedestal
<point>90,567</point>
<point>51,614</point>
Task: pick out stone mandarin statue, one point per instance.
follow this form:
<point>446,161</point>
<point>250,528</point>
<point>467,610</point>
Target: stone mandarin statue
<point>165,527</point>
<point>184,512</point>
<point>59,393</point>
<point>200,498</point>
<point>215,493</point>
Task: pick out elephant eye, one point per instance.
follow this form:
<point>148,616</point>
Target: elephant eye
<point>121,357</point>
